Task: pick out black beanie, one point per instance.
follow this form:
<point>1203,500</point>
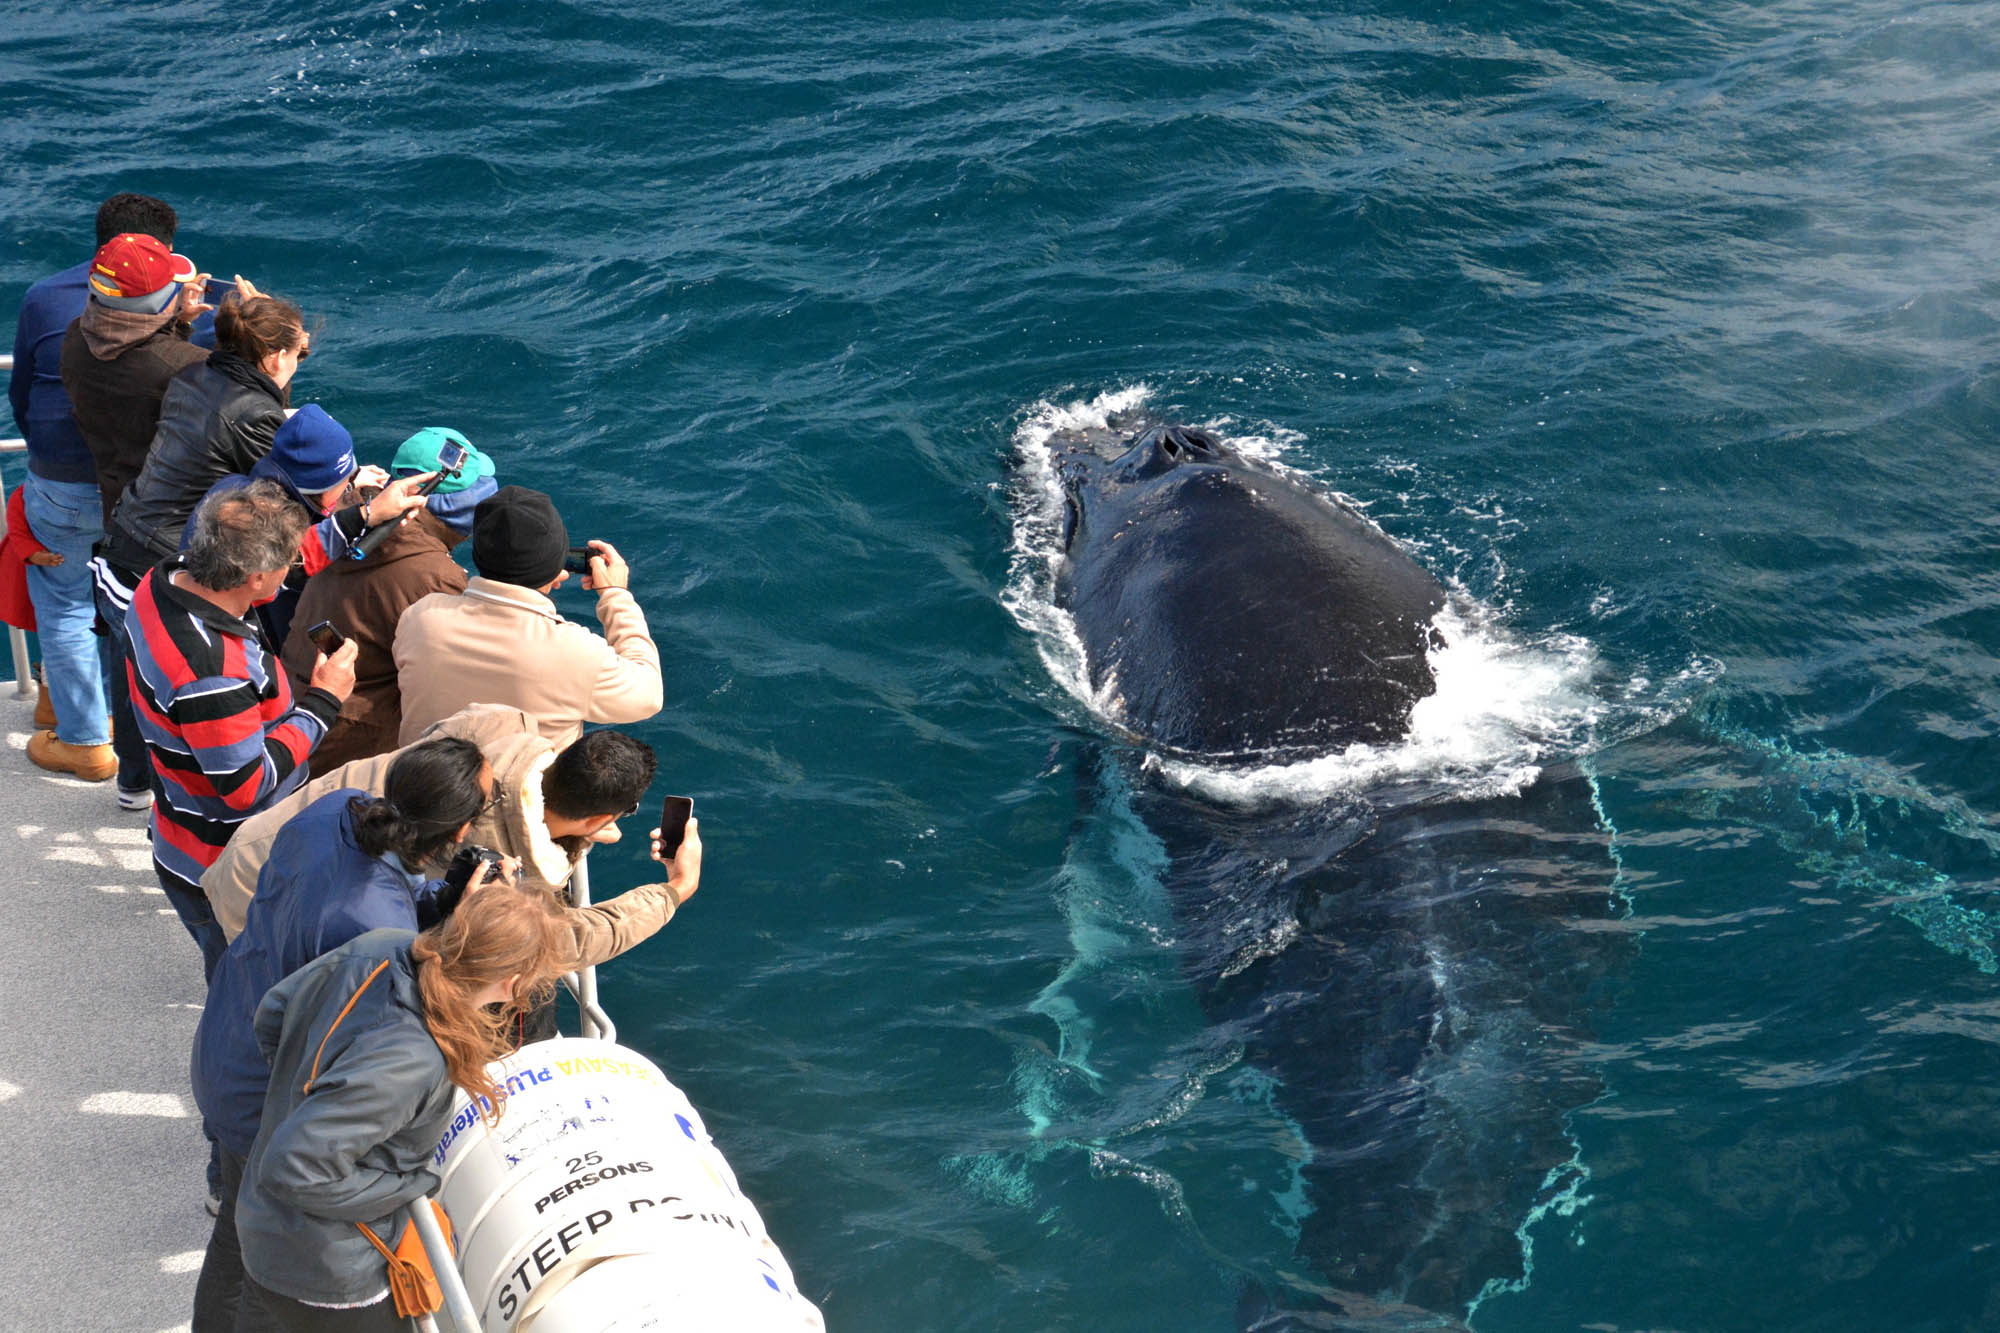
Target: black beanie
<point>518,537</point>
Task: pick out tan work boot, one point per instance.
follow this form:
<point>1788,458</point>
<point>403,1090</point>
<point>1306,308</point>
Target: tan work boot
<point>45,710</point>
<point>92,763</point>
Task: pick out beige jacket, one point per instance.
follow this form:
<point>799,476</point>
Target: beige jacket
<point>504,644</point>
<point>519,756</point>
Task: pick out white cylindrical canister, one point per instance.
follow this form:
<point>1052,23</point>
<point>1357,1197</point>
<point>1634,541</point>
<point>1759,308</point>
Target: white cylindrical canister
<point>599,1162</point>
<point>710,1283</point>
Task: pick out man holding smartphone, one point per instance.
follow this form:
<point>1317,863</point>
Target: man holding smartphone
<point>503,641</point>
<point>547,809</point>
<point>223,732</point>
<point>552,807</point>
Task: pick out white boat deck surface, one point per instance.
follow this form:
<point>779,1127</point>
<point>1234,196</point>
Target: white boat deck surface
<point>100,1144</point>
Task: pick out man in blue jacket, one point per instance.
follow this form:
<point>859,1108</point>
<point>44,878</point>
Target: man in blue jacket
<point>60,493</point>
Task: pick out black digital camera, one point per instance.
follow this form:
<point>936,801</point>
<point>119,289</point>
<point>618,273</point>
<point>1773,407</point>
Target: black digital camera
<point>459,873</point>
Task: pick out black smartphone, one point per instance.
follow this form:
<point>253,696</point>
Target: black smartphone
<point>326,638</point>
<point>578,560</point>
<point>674,824</point>
<point>218,288</point>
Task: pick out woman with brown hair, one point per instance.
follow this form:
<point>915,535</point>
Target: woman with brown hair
<point>217,416</point>
<point>366,1045</point>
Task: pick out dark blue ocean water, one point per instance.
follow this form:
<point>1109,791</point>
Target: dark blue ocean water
<point>1667,335</point>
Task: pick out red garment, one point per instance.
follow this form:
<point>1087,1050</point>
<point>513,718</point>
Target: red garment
<point>19,544</point>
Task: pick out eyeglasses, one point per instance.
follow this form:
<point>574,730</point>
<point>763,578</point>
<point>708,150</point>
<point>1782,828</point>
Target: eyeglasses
<point>304,349</point>
<point>499,795</point>
<point>629,811</point>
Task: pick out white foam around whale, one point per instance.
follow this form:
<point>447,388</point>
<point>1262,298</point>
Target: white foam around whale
<point>1506,703</point>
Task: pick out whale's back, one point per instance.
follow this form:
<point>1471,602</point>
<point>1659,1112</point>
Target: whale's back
<point>1241,614</point>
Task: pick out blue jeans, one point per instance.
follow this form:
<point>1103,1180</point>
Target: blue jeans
<point>191,903</point>
<point>135,767</point>
<point>66,517</point>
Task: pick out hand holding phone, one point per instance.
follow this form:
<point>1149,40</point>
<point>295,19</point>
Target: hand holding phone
<point>334,672</point>
<point>326,638</point>
<point>677,844</point>
<point>609,569</point>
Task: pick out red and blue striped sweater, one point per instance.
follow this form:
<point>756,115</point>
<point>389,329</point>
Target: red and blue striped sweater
<point>224,734</point>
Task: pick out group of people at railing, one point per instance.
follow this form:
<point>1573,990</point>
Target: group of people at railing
<point>369,844</point>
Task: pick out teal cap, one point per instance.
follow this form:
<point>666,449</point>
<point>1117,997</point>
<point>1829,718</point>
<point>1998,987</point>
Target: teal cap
<point>419,453</point>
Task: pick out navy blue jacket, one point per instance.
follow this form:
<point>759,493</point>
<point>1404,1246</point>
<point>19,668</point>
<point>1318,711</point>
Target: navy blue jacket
<point>317,891</point>
<point>56,451</point>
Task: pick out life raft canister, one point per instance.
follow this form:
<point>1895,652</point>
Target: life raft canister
<point>599,1202</point>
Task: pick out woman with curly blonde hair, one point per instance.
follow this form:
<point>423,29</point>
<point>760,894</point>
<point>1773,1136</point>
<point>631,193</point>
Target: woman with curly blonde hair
<point>366,1045</point>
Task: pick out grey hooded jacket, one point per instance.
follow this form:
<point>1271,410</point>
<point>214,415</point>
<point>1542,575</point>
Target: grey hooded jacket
<point>356,1107</point>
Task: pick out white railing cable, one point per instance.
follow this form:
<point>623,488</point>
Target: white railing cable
<point>11,446</point>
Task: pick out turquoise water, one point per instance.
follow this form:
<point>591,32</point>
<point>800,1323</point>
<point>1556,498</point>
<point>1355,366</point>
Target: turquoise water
<point>1666,336</point>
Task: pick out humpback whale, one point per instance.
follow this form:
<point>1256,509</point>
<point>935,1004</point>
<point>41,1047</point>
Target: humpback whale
<point>1415,968</point>
<point>1235,611</point>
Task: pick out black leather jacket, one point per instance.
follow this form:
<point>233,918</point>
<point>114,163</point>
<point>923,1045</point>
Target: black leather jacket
<point>217,418</point>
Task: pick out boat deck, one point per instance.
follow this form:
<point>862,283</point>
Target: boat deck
<point>100,1144</point>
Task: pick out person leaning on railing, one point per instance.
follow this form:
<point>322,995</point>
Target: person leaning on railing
<point>549,808</point>
<point>364,599</point>
<point>216,418</point>
<point>348,864</point>
<point>224,735</point>
<point>502,641</point>
<point>366,1045</point>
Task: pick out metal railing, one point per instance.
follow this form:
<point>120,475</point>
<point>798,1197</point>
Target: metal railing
<point>462,1314</point>
<point>17,641</point>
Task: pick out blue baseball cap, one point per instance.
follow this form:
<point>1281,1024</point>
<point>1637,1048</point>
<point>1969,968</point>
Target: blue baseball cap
<point>314,451</point>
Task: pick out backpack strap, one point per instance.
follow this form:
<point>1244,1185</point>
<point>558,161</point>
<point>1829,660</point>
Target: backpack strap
<point>344,1012</point>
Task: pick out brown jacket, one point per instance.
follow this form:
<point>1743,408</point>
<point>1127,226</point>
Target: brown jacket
<point>364,599</point>
<point>519,756</point>
<point>505,644</point>
<point>115,368</point>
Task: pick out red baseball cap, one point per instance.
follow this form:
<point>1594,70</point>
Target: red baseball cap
<point>135,266</point>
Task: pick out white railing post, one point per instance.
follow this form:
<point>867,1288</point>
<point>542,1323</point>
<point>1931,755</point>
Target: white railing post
<point>457,1300</point>
<point>582,983</point>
